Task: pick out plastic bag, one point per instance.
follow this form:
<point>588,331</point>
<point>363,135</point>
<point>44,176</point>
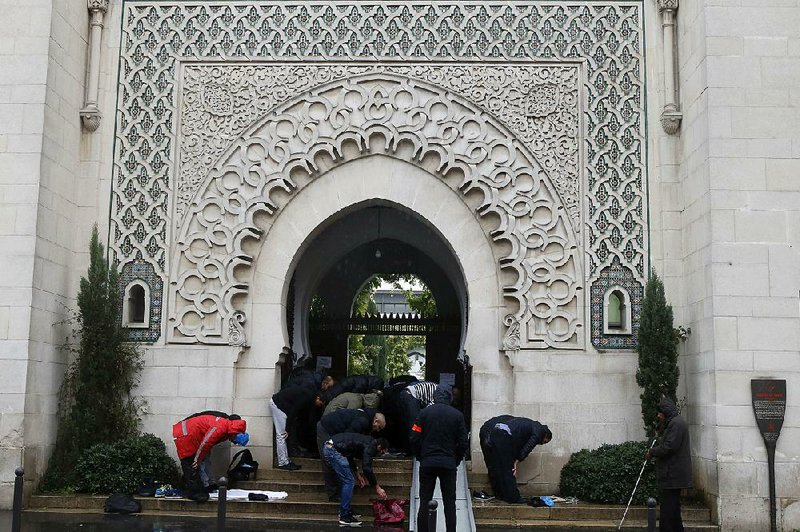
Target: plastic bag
<point>121,503</point>
<point>388,511</point>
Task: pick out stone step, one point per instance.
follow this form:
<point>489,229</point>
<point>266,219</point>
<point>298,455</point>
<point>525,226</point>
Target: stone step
<point>576,512</point>
<point>313,507</point>
<point>378,464</point>
<point>554,525</point>
<point>314,476</point>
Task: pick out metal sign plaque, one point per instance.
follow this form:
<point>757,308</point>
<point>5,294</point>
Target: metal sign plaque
<point>769,406</point>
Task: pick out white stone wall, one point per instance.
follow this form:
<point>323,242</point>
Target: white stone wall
<point>726,230</point>
<point>48,203</point>
<point>24,45</point>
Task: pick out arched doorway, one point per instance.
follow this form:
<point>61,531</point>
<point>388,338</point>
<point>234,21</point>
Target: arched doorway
<point>375,238</point>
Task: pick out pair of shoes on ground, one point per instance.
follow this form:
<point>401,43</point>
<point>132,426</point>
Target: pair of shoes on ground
<point>349,520</point>
<point>291,466</point>
<point>482,496</point>
<point>168,492</point>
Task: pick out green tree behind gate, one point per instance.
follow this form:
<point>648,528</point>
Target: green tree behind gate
<point>658,352</point>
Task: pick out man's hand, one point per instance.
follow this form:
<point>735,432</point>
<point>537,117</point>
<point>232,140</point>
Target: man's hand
<point>379,491</point>
<point>648,456</point>
<point>514,469</point>
<point>195,465</point>
<point>284,435</point>
<point>361,480</point>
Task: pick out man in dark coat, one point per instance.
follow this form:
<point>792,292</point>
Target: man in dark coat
<point>287,407</point>
<point>506,441</point>
<point>340,453</point>
<point>357,421</point>
<point>439,440</point>
<point>674,464</point>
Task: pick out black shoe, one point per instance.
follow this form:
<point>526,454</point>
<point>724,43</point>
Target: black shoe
<point>291,466</point>
<point>349,520</point>
<point>482,496</point>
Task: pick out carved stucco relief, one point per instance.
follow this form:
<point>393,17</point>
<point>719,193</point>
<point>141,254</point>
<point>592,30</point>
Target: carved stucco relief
<point>350,105</point>
<point>606,37</point>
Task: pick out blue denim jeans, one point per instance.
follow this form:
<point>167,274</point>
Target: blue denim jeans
<point>341,467</point>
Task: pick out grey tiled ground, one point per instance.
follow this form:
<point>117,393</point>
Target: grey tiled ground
<point>32,522</point>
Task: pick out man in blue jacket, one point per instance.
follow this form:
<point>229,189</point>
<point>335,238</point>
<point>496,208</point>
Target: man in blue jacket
<point>439,440</point>
<point>506,441</point>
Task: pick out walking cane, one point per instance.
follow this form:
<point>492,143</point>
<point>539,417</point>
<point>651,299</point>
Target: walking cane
<point>635,487</point>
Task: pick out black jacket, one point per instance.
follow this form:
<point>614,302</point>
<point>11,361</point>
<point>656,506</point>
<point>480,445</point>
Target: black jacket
<point>358,421</point>
<point>353,383</point>
<point>294,399</point>
<point>525,433</point>
<point>352,445</point>
<point>439,437</point>
<point>305,378</point>
<point>487,427</point>
<point>673,452</point>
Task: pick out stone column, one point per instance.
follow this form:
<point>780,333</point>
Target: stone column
<point>90,114</point>
<point>670,115</point>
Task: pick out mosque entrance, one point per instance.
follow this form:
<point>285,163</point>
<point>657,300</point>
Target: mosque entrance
<point>373,241</point>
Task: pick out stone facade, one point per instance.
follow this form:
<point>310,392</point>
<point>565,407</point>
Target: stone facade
<point>528,135</point>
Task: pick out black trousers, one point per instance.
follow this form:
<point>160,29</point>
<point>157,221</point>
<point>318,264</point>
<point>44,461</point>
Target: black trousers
<point>427,484</point>
<point>331,480</point>
<point>498,453</point>
<point>670,518</point>
<point>192,484</point>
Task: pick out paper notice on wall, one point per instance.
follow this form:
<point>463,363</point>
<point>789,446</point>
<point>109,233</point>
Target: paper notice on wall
<point>324,362</point>
<point>448,379</point>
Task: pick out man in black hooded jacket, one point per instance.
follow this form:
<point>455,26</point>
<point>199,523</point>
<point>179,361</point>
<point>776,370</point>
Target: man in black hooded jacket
<point>439,440</point>
<point>506,441</point>
<point>674,465</point>
<point>357,421</point>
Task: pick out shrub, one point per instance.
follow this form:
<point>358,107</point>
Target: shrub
<point>121,466</point>
<point>608,474</point>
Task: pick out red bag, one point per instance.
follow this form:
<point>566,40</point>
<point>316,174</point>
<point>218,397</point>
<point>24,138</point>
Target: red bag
<point>388,511</point>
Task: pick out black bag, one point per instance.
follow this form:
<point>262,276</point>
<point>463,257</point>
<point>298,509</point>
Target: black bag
<point>120,503</point>
<point>246,466</point>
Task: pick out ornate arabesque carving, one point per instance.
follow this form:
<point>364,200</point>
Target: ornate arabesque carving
<point>387,114</point>
<point>605,36</point>
<point>538,104</point>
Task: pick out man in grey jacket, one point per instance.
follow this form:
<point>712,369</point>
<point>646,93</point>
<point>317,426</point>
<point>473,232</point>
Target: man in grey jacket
<point>674,465</point>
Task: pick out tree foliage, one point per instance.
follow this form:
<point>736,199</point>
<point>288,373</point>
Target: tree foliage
<point>96,403</point>
<point>658,372</point>
<point>386,356</point>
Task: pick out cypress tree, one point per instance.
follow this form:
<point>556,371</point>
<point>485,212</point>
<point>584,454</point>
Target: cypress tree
<point>658,352</point>
<point>96,403</point>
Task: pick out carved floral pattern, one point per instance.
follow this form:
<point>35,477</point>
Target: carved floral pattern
<point>387,114</point>
<point>605,37</point>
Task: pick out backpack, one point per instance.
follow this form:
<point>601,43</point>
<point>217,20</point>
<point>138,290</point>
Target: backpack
<point>120,503</point>
<point>246,466</point>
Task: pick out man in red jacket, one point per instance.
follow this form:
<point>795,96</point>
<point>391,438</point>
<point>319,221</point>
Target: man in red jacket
<point>195,436</point>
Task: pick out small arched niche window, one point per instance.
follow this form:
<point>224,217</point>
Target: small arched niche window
<point>136,306</point>
<point>617,307</point>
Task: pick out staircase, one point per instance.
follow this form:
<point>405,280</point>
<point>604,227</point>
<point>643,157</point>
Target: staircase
<point>308,508</point>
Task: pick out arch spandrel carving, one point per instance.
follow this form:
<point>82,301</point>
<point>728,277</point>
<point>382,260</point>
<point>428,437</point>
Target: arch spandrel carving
<point>385,113</point>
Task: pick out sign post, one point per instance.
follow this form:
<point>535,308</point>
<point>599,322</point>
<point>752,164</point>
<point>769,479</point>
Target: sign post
<point>769,407</point>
